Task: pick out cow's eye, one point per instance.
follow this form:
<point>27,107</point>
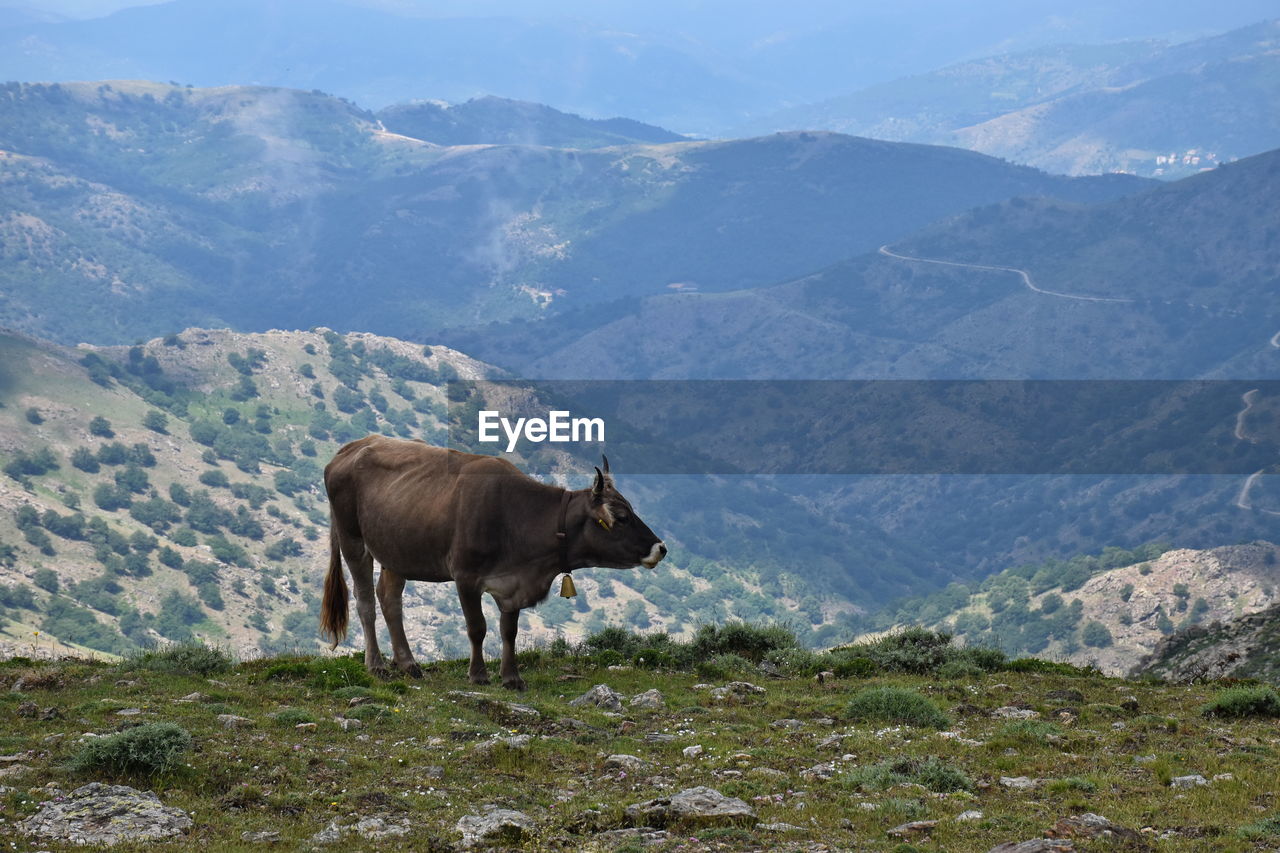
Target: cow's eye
<point>621,518</point>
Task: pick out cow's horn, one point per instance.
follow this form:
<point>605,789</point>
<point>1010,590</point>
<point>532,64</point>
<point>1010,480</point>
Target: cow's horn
<point>598,486</point>
<point>606,463</point>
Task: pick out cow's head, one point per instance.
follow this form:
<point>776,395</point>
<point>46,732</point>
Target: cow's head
<point>615,536</point>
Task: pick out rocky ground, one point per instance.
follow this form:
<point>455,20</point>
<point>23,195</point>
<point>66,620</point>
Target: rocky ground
<point>307,753</point>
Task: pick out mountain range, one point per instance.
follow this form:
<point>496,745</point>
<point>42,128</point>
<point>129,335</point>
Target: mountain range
<point>1150,108</point>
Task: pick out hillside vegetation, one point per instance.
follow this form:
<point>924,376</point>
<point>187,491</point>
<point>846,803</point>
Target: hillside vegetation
<point>904,741</point>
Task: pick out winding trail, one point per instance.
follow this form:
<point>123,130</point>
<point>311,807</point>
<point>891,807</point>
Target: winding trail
<point>1026,277</point>
<point>1242,499</point>
<point>1248,398</point>
<point>1275,340</point>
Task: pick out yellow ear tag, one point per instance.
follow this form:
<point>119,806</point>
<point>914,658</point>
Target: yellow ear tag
<point>602,523</point>
<point>567,589</point>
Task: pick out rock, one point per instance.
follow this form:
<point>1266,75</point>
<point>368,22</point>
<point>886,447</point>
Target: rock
<point>106,814</point>
<point>623,761</point>
<point>14,770</point>
<point>766,773</point>
<point>1224,777</point>
<point>696,807</point>
<point>1074,697</point>
<point>819,771</point>
<point>1193,781</point>
<point>913,828</point>
<point>356,701</point>
<point>744,688</point>
<point>1018,783</point>
<point>267,836</point>
<point>658,737</point>
<point>788,724</point>
<point>50,714</point>
<point>1090,826</point>
<point>1130,704</point>
<point>778,827</point>
<point>511,742</point>
<point>27,709</point>
<point>600,696</point>
<point>692,751</point>
<point>1035,845</point>
<point>373,828</point>
<point>499,708</point>
<point>347,724</point>
<point>643,835</point>
<point>869,807</point>
<point>1010,712</point>
<point>824,676</point>
<point>192,697</point>
<point>128,712</point>
<point>305,727</point>
<point>971,814</point>
<point>649,700</point>
<point>494,825</point>
<point>231,721</point>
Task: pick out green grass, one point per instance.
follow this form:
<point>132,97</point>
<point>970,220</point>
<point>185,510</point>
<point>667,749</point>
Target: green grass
<point>895,705</point>
<point>414,755</point>
<point>1239,702</point>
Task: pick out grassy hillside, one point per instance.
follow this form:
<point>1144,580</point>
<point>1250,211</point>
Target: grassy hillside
<point>174,487</point>
<point>908,744</point>
<point>136,208</point>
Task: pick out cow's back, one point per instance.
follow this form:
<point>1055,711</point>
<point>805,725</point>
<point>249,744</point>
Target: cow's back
<point>401,499</point>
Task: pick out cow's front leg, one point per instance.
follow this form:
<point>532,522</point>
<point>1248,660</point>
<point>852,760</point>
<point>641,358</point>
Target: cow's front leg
<point>510,673</point>
<point>469,597</point>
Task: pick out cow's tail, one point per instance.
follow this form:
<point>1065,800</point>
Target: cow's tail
<point>333,609</point>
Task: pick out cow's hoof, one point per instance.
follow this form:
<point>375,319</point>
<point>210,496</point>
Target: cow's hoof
<point>479,679</point>
<point>516,683</point>
<point>380,671</point>
<point>412,670</point>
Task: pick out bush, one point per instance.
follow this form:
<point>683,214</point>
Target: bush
<point>933,773</point>
<point>724,666</point>
<point>142,751</point>
<point>183,659</point>
<point>745,639</point>
<point>291,717</point>
<point>1242,702</point>
<point>895,705</point>
<point>100,426</point>
<point>324,673</point>
<point>1095,635</point>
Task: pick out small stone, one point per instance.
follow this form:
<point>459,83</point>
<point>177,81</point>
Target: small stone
<point>819,771</point>
<point>622,761</point>
<point>778,827</point>
<point>355,701</point>
<point>971,814</point>
<point>128,712</point>
<point>1224,777</point>
<point>374,828</point>
<point>494,825</point>
<point>618,838</point>
<point>305,726</point>
<point>1194,780</point>
<point>1018,783</point>
<point>347,724</point>
<point>824,676</point>
<point>1035,845</point>
<point>648,700</point>
<point>267,836</point>
<point>192,697</point>
<point>511,742</point>
<point>869,807</point>
<point>692,751</point>
<point>788,723</point>
<point>1010,712</point>
<point>766,773</point>
<point>658,737</point>
<point>50,714</point>
<point>433,771</point>
<point>913,828</point>
<point>744,688</point>
<point>1074,697</point>
<point>231,721</point>
<point>600,696</point>
<point>1089,826</point>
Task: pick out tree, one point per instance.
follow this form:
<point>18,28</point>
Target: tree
<point>100,426</point>
<point>46,579</point>
<point>83,458</point>
<point>156,421</point>
<point>34,416</point>
<point>1095,635</point>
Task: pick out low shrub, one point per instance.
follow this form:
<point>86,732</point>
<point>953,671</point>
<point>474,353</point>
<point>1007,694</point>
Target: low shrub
<point>724,666</point>
<point>895,705</point>
<point>1241,702</point>
<point>1026,733</point>
<point>1050,667</point>
<point>744,639</point>
<point>290,717</point>
<point>1260,830</point>
<point>183,659</point>
<point>145,750</point>
<point>932,772</point>
<point>323,673</point>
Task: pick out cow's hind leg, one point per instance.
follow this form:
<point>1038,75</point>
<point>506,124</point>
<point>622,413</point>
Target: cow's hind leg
<point>469,597</point>
<point>391,596</point>
<point>360,561</point>
<point>510,674</point>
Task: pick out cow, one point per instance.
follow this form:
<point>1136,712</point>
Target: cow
<point>433,514</point>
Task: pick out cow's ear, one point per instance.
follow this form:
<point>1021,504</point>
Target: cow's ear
<point>597,488</point>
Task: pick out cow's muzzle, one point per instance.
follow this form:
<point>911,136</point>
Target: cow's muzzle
<point>656,553</point>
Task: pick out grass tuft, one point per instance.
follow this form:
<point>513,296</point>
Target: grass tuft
<point>1241,702</point>
<point>896,705</point>
<point>183,659</point>
<point>145,750</point>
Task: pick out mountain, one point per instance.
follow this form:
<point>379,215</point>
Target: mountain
<point>133,209</point>
<point>175,485</point>
<point>1144,107</point>
<point>501,121</point>
<point>696,68</point>
<point>1111,610</point>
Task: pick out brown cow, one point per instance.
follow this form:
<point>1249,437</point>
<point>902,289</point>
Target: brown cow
<point>430,514</point>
